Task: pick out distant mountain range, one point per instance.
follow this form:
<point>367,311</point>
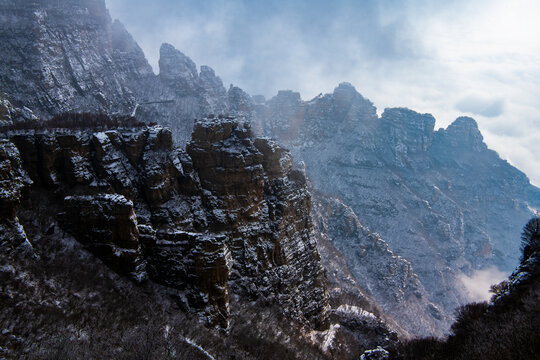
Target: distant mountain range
<point>381,214</point>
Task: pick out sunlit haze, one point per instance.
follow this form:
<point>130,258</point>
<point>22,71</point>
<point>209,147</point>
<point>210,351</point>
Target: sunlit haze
<point>476,58</point>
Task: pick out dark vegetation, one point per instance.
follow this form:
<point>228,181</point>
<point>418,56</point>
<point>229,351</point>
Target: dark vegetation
<point>508,327</point>
<point>530,240</point>
<point>65,304</point>
<point>77,121</point>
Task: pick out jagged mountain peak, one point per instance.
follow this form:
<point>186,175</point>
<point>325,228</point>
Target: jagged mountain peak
<point>465,121</point>
<point>124,42</point>
<point>174,65</point>
<point>464,133</point>
<point>407,115</point>
<point>207,71</point>
<point>345,85</point>
<point>430,195</point>
<point>345,92</point>
<point>286,95</point>
<point>211,83</point>
<point>240,101</point>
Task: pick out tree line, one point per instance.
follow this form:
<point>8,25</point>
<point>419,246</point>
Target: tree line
<point>72,120</point>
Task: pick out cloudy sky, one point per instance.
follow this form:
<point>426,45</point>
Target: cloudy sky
<point>466,57</point>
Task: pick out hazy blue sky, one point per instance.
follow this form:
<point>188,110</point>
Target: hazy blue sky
<point>449,58</point>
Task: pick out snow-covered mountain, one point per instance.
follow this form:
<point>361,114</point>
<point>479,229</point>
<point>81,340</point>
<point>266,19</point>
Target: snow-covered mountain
<point>440,199</point>
<point>69,55</point>
<point>397,211</point>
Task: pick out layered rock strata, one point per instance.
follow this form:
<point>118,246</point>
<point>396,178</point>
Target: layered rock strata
<point>69,56</point>
<point>230,215</point>
<point>440,199</point>
<point>13,181</point>
<point>372,271</point>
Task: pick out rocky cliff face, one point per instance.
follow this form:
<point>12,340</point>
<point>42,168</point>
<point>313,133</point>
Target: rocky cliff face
<point>252,193</point>
<point>505,327</point>
<point>68,55</point>
<point>61,56</point>
<point>441,203</point>
<point>13,181</point>
<point>432,195</point>
<point>375,270</point>
<point>106,224</point>
<point>230,216</point>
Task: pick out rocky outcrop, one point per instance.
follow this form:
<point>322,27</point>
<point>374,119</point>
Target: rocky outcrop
<point>379,274</point>
<point>261,206</point>
<point>176,68</point>
<point>5,113</point>
<point>229,216</point>
<point>407,132</point>
<point>69,56</point>
<point>284,115</point>
<point>463,134</point>
<point>10,115</point>
<point>436,197</point>
<point>13,181</point>
<point>107,226</point>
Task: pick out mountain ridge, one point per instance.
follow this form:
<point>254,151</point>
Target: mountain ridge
<point>421,193</point>
<point>443,191</point>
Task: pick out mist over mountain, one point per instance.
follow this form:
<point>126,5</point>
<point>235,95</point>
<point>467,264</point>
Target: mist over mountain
<point>304,229</point>
<point>505,327</point>
<point>441,199</point>
<point>77,59</point>
<point>449,59</point>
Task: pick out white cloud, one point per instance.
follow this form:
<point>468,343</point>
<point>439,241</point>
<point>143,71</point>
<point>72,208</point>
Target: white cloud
<point>427,55</point>
<point>479,105</point>
<point>478,284</point>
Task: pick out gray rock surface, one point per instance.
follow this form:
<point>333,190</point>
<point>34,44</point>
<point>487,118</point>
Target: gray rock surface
<point>13,181</point>
<point>440,199</point>
<point>379,274</point>
<point>69,56</point>
<point>230,215</point>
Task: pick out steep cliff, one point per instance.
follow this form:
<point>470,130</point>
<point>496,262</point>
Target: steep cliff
<point>230,216</point>
<point>68,55</point>
<point>505,327</point>
<point>436,197</point>
<point>381,277</point>
<point>13,181</point>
